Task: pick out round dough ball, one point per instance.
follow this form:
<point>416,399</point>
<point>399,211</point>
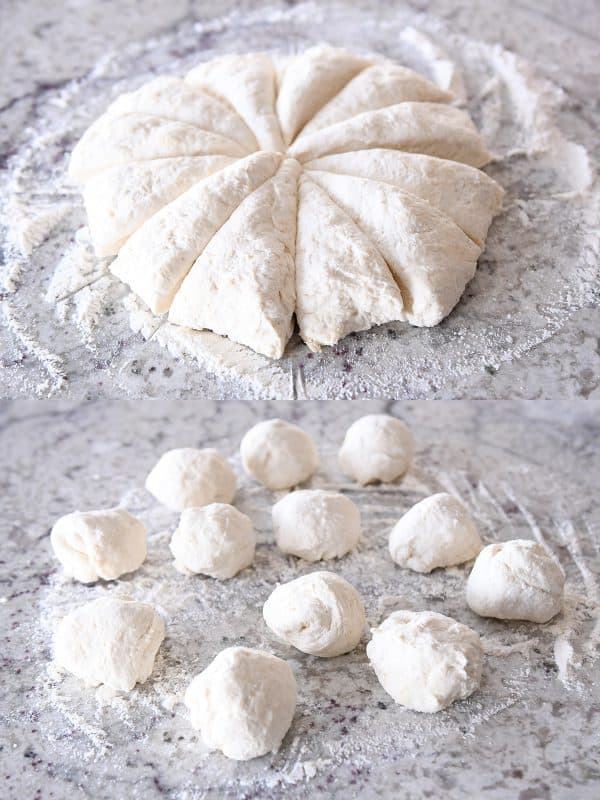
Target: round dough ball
<point>315,525</point>
<point>109,641</point>
<point>424,660</point>
<point>243,703</point>
<point>99,544</point>
<point>321,614</point>
<point>376,448</point>
<point>216,540</point>
<point>519,579</point>
<point>278,454</point>
<point>190,478</point>
<point>437,532</point>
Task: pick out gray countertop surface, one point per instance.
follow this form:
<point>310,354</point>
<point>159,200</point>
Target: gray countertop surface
<point>46,46</point>
<point>531,731</point>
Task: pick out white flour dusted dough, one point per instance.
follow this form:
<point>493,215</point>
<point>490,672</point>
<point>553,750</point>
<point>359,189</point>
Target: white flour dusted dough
<point>243,703</point>
<point>518,579</point>
<point>377,447</point>
<point>278,454</point>
<point>316,525</point>
<point>216,540</point>
<point>189,478</point>
<point>320,614</point>
<point>109,641</point>
<point>99,544</point>
<point>437,532</point>
<point>425,661</point>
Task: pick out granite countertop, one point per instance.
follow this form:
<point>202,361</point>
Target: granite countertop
<point>531,731</point>
<point>47,46</point>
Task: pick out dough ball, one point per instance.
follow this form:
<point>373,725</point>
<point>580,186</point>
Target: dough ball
<point>425,661</point>
<point>278,454</point>
<point>189,478</point>
<point>243,703</point>
<point>376,448</point>
<point>516,580</point>
<point>109,641</point>
<point>99,544</point>
<point>321,614</point>
<point>315,525</point>
<point>217,540</point>
<point>437,532</point>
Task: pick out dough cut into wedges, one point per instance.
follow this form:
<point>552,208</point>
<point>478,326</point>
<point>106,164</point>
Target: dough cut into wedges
<point>121,199</point>
<point>173,98</point>
<point>431,258</point>
<point>467,195</point>
<point>248,82</point>
<point>342,282</point>
<point>111,141</point>
<point>378,86</point>
<point>242,285</point>
<point>309,81</point>
<point>431,128</point>
<point>158,256</point>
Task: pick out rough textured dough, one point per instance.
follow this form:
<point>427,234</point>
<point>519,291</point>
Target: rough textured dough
<point>109,641</point>
<point>216,540</point>
<point>278,454</point>
<point>425,661</point>
<point>320,614</point>
<point>191,478</point>
<point>316,525</point>
<point>243,703</point>
<point>376,447</point>
<point>436,532</point>
<point>99,544</point>
<point>518,579</point>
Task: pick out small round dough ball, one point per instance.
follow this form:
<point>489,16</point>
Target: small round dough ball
<point>190,478</point>
<point>519,579</point>
<point>216,540</point>
<point>315,525</point>
<point>320,614</point>
<point>376,448</point>
<point>437,532</point>
<point>424,660</point>
<point>109,641</point>
<point>243,703</point>
<point>278,454</point>
<point>99,544</point>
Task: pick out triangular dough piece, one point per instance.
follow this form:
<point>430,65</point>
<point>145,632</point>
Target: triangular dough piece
<point>121,199</point>
<point>379,86</point>
<point>248,82</point>
<point>431,258</point>
<point>158,256</point>
<point>467,195</point>
<point>173,98</point>
<point>431,128</point>
<point>111,141</point>
<point>242,286</point>
<point>309,81</point>
<point>342,282</point>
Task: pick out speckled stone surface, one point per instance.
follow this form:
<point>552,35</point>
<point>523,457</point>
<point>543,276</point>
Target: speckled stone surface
<point>530,732</point>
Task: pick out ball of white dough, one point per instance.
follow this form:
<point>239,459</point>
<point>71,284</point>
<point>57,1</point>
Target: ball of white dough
<point>376,448</point>
<point>99,544</point>
<point>519,579</point>
<point>278,454</point>
<point>216,540</point>
<point>320,613</point>
<point>190,478</point>
<point>425,661</point>
<point>314,524</point>
<point>243,703</point>
<point>109,641</point>
<point>437,532</point>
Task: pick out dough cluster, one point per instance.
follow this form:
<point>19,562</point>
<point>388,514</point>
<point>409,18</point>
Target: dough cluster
<point>341,189</point>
